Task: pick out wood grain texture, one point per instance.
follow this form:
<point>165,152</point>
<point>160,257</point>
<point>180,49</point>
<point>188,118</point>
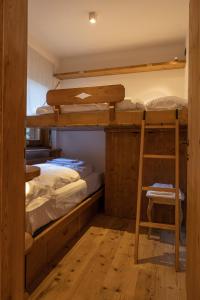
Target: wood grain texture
<point>13,47</point>
<point>31,172</point>
<point>96,94</point>
<point>122,153</point>
<point>193,216</point>
<point>122,158</point>
<point>100,266</point>
<point>102,118</point>
<point>122,70</point>
<point>53,241</point>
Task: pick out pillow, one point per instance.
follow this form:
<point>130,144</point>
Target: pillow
<point>129,104</point>
<point>55,176</point>
<point>166,103</point>
<point>33,190</point>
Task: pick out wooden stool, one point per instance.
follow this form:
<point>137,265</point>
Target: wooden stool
<point>161,201</point>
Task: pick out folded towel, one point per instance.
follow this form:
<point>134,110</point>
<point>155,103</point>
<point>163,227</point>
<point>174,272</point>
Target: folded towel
<point>163,194</point>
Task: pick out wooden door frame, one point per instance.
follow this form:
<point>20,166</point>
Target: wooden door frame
<point>13,60</point>
<point>193,209</point>
<point>13,76</point>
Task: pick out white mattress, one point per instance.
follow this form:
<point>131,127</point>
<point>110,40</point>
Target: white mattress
<point>45,209</point>
<point>156,104</point>
<point>127,104</point>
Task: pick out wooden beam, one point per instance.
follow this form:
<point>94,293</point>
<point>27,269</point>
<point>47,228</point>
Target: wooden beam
<point>179,64</point>
<point>13,57</point>
<point>193,203</point>
<point>101,119</point>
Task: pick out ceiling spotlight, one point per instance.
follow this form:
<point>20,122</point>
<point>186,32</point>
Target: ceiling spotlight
<point>92,17</point>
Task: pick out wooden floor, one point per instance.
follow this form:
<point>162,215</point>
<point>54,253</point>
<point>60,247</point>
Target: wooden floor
<point>99,266</point>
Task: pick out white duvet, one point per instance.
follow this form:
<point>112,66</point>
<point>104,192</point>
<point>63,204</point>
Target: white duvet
<point>49,207</point>
<point>127,104</point>
<point>156,104</point>
<point>45,209</point>
<point>52,177</point>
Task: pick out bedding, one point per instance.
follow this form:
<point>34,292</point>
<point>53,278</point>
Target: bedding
<point>166,103</point>
<point>52,177</point>
<point>156,104</point>
<point>49,207</point>
<point>83,168</point>
<point>127,104</point>
<point>161,194</point>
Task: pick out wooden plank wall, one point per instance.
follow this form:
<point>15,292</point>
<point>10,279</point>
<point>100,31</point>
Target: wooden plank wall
<point>122,152</point>
<point>122,157</point>
<point>13,45</point>
<point>193,224</point>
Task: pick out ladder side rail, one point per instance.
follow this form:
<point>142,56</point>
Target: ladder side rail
<point>177,201</point>
<point>139,192</point>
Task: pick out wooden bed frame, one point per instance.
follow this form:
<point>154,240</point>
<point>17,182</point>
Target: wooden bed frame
<point>102,119</point>
<point>110,94</point>
<point>52,242</point>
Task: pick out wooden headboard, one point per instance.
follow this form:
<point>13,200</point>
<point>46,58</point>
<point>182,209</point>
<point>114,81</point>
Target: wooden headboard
<point>86,95</point>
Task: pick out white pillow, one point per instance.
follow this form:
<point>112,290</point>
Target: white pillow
<point>129,104</point>
<point>56,176</point>
<point>166,103</point>
<point>34,190</point>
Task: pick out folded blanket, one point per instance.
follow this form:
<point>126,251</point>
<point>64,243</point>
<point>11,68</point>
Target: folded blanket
<point>163,194</point>
<point>84,169</point>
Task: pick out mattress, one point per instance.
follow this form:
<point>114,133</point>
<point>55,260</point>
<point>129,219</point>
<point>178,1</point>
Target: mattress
<point>48,208</point>
<point>156,104</point>
<point>56,174</point>
<point>127,104</point>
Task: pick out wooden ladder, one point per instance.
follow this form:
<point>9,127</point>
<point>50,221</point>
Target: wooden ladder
<point>174,227</point>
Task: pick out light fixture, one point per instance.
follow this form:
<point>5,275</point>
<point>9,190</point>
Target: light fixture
<point>92,17</point>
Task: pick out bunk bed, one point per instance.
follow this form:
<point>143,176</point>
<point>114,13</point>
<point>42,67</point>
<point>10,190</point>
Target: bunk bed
<point>89,107</point>
<point>59,203</point>
<point>103,114</point>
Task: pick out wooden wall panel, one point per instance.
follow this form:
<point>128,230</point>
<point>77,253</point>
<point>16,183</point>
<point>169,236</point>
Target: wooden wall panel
<point>122,152</point>
<point>122,156</point>
<point>13,45</point>
<point>193,224</point>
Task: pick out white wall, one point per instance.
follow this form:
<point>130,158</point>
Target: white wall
<point>145,55</point>
<point>139,85</point>
<point>40,80</point>
<point>85,145</point>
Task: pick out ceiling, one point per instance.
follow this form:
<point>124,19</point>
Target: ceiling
<point>62,27</point>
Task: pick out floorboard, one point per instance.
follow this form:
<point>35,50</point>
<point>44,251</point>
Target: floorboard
<point>100,266</point>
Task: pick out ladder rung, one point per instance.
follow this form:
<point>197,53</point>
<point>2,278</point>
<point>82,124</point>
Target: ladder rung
<point>158,225</point>
<point>159,156</point>
<point>165,126</point>
<point>158,189</point>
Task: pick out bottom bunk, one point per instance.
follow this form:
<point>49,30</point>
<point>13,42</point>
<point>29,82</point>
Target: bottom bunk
<point>49,245</point>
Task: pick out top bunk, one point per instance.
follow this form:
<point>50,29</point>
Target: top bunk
<point>103,106</point>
